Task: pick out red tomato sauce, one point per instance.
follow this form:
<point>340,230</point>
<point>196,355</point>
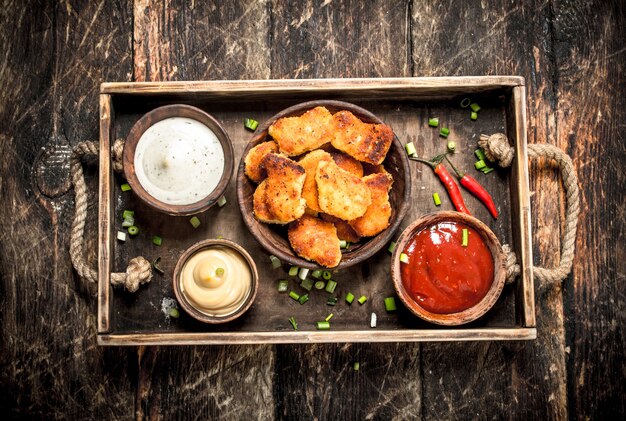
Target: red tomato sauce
<point>442,275</point>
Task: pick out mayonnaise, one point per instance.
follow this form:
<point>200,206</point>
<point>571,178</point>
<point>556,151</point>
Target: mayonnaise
<point>216,280</point>
<point>179,161</point>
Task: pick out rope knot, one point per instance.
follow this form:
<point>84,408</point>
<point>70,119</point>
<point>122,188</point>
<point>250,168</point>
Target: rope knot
<point>138,272</point>
<point>497,148</point>
<point>117,152</point>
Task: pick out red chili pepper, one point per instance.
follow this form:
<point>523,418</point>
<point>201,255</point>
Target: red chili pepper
<point>476,189</point>
<point>453,189</point>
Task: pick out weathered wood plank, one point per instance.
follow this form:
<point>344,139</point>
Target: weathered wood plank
<point>591,67</point>
<point>176,40</point>
<point>459,38</point>
<point>344,39</point>
<point>54,56</point>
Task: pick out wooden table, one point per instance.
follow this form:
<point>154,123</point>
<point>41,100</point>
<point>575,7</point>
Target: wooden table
<point>54,57</point>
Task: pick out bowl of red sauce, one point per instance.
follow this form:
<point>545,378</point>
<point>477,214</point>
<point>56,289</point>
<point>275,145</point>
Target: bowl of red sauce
<point>448,268</point>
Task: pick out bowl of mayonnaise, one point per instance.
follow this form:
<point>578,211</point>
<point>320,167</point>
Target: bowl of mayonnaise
<point>215,281</point>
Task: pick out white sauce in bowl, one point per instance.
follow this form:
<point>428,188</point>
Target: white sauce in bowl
<point>179,161</point>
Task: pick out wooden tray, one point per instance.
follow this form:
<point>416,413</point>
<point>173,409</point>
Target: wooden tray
<point>405,104</point>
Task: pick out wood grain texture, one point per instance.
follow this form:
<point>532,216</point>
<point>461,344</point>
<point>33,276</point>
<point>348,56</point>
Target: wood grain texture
<point>54,56</point>
<point>178,40</point>
<point>591,67</point>
<point>496,39</point>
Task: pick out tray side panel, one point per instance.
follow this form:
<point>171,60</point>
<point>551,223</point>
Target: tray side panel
<point>522,240</point>
<point>105,195</point>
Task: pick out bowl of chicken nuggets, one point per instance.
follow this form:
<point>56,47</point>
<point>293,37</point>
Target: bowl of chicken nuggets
<point>323,184</point>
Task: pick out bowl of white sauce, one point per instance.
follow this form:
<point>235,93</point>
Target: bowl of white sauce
<point>178,159</point>
<point>215,281</point>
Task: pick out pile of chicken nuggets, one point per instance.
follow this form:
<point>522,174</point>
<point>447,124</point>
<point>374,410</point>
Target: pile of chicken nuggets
<point>323,175</point>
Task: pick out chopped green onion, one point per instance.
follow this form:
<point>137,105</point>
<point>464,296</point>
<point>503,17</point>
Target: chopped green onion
<point>303,299</point>
<point>349,298</point>
<point>433,122</point>
<point>356,366</point>
<point>221,201</point>
<point>293,323</point>
<point>390,304</point>
<point>327,274</point>
<point>480,164</point>
<point>474,116</point>
<point>330,316</point>
<point>475,107</point>
<point>121,235</point>
<point>276,263</point>
<point>487,170</point>
<point>250,123</point>
<point>444,132</point>
<point>330,286</point>
<point>125,187</point>
<point>404,258</point>
<point>465,237</point>
<point>194,221</point>
<point>451,145</point>
<point>156,240</point>
<point>302,273</point>
<point>219,272</point>
<point>306,284</point>
<point>323,325</point>
<point>316,273</point>
<point>392,247</point>
<point>332,301</point>
<point>128,214</point>
<point>373,319</point>
<point>174,313</point>
<point>283,285</point>
<point>343,244</point>
<point>436,199</point>
<point>320,285</point>
<point>362,299</point>
<point>294,295</point>
<point>480,154</point>
<point>293,271</point>
<point>410,149</point>
<point>156,267</point>
<point>128,222</point>
<point>133,230</point>
<point>465,102</point>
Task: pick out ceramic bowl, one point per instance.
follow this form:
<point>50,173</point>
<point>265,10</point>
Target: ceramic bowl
<point>274,237</point>
<point>161,113</point>
<point>489,239</point>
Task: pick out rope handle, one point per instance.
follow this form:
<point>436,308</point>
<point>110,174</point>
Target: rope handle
<point>139,270</point>
<point>497,149</point>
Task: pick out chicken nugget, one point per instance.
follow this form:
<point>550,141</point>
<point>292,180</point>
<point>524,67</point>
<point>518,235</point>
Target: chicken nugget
<point>283,194</point>
<point>378,213</point>
<point>296,135</point>
<point>316,240</point>
<point>261,211</point>
<point>309,162</point>
<point>374,169</point>
<point>340,193</point>
<point>344,229</point>
<point>363,141</point>
<point>348,163</point>
<point>253,160</point>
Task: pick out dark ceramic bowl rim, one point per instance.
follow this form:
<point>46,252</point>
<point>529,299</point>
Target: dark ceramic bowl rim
<point>162,113</point>
<point>477,310</point>
<point>188,306</point>
<point>373,244</point>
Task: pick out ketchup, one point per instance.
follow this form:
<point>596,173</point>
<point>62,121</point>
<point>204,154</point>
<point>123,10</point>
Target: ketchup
<point>442,275</point>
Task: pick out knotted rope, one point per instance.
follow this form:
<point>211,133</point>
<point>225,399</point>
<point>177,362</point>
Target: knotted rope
<point>497,149</point>
<point>139,270</point>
